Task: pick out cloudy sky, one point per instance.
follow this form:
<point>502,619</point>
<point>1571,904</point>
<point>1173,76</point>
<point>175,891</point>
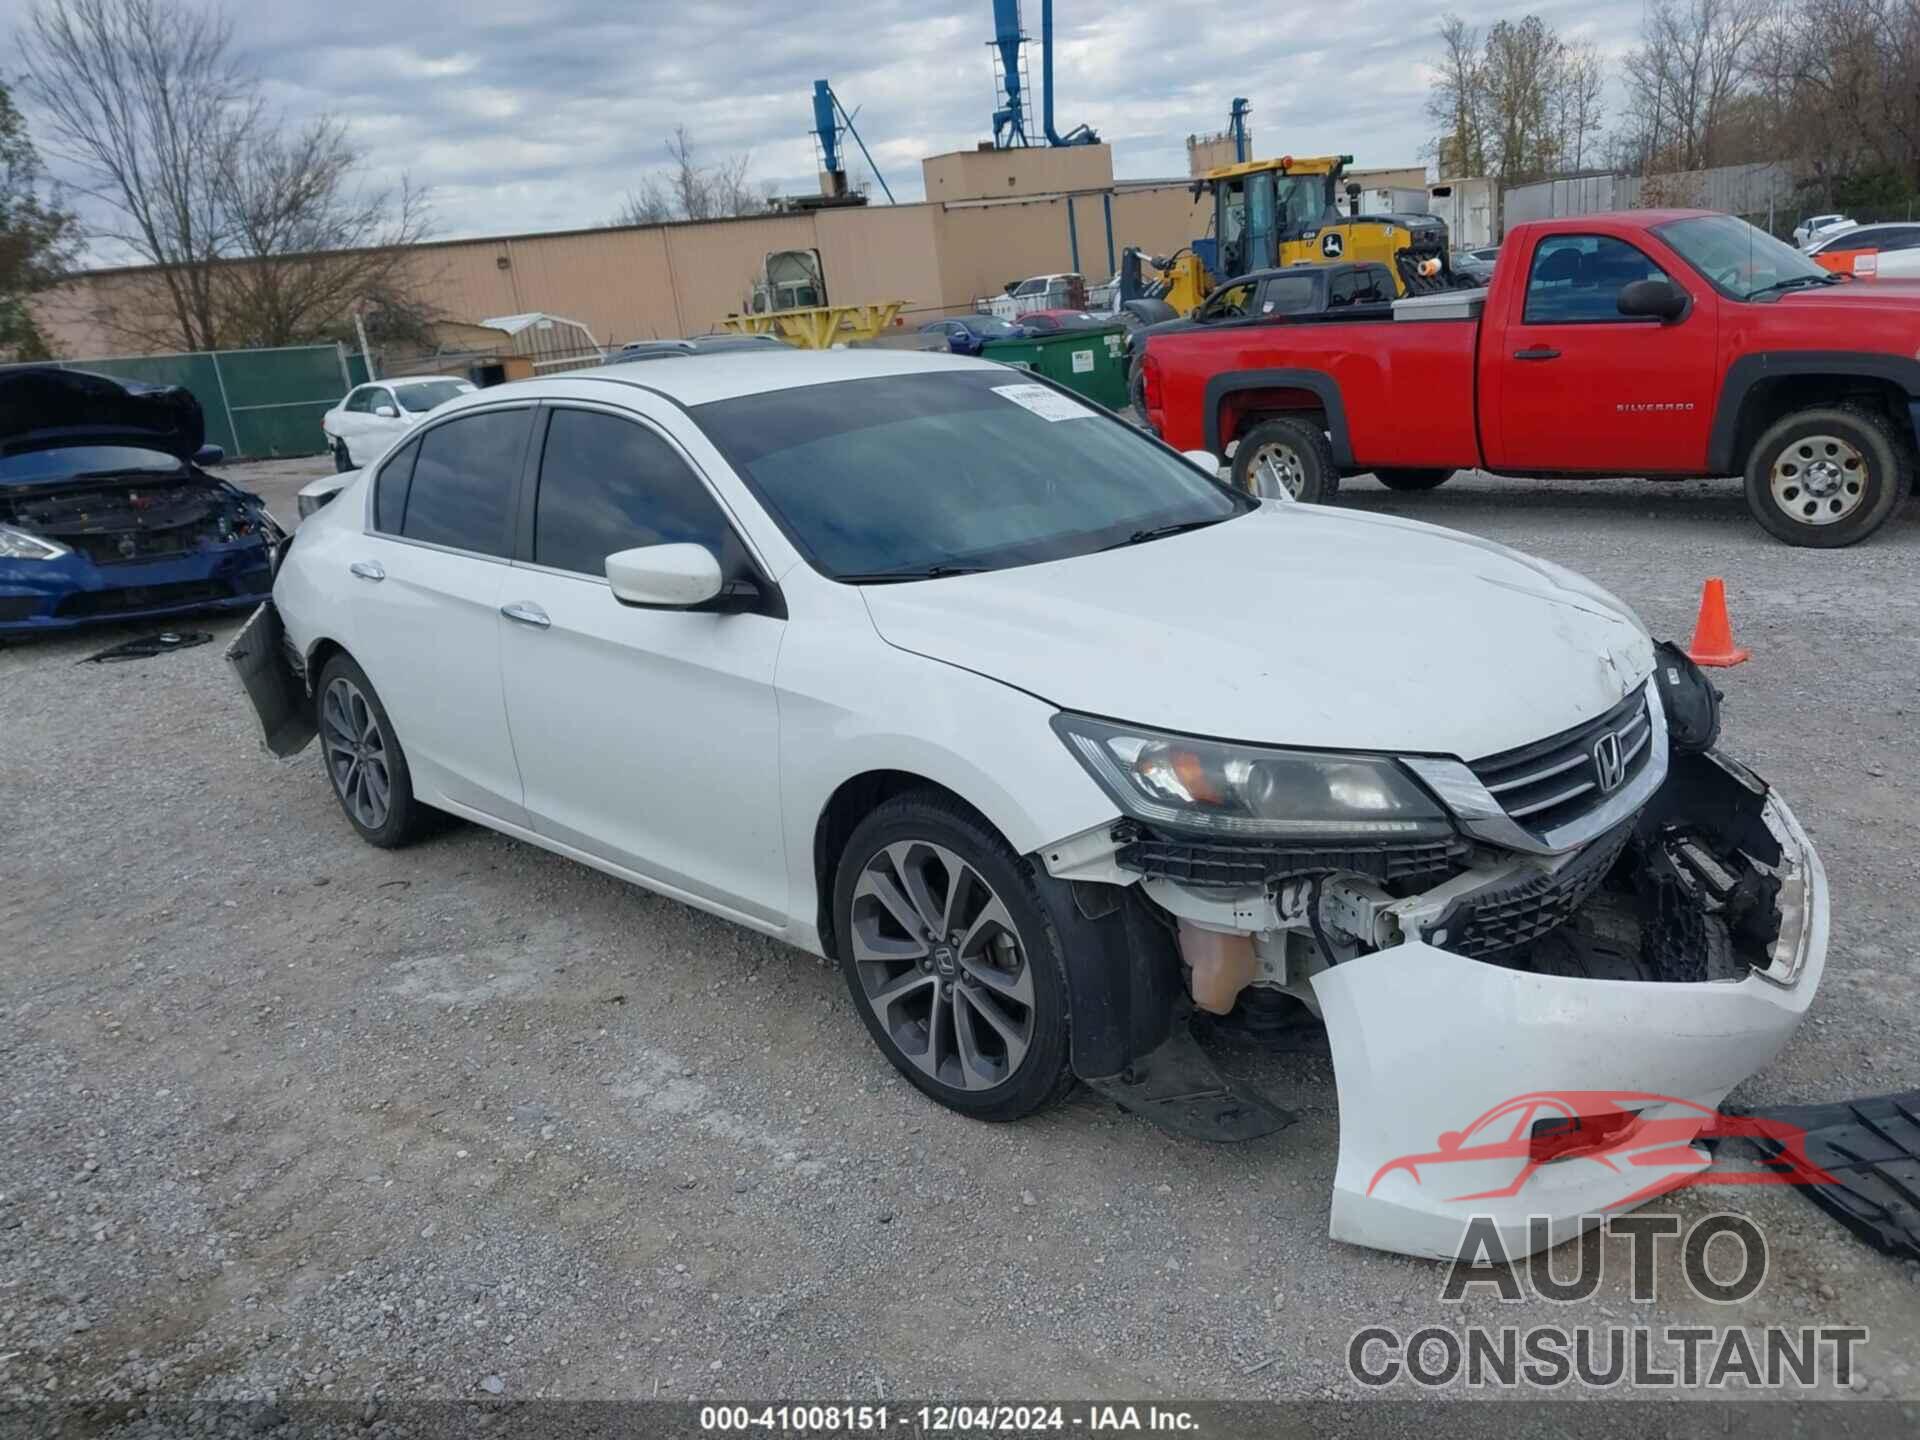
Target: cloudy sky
<point>540,114</point>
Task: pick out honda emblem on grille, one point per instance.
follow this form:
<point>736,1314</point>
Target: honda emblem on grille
<point>1609,766</point>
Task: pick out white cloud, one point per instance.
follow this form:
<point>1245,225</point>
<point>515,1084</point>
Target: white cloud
<point>526,114</point>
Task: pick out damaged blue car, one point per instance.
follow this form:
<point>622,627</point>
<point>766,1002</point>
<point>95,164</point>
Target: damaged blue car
<point>106,512</point>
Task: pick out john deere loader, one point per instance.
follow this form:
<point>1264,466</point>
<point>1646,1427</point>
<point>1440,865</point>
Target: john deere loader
<point>1269,213</point>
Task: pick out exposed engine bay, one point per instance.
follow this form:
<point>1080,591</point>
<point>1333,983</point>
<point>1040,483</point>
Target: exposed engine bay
<point>1692,889</point>
<point>114,521</point>
<point>1621,910</point>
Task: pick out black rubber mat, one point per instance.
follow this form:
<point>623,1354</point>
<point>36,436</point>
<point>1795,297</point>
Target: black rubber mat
<point>1871,1149</point>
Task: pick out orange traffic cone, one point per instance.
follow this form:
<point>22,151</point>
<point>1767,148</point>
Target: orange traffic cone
<point>1713,633</point>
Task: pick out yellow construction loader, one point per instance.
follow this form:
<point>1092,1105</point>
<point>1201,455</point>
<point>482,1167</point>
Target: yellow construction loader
<point>1269,213</point>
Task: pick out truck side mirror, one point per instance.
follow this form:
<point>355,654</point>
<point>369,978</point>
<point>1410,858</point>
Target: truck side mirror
<point>1660,300</point>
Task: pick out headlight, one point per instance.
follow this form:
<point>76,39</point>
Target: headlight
<point>1249,791</point>
<point>19,545</point>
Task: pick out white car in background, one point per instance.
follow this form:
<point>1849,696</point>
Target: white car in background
<point>902,659</point>
<point>371,417</point>
<point>1815,227</point>
<point>1873,252</point>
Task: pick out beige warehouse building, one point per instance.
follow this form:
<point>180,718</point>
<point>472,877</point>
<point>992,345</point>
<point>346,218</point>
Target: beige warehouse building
<point>990,217</point>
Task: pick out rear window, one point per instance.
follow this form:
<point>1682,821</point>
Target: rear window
<point>423,397</point>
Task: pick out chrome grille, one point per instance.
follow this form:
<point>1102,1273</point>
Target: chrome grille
<point>1553,781</point>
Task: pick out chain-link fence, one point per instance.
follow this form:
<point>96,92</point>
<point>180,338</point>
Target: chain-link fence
<point>258,403</point>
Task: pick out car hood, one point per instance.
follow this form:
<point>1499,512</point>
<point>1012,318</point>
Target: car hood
<point>1293,625</point>
<point>1887,294</point>
<point>42,408</point>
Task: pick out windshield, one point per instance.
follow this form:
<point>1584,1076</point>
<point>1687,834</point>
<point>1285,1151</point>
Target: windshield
<point>992,329</point>
<point>905,474</point>
<point>429,393</point>
<point>1740,260</point>
<point>84,460</point>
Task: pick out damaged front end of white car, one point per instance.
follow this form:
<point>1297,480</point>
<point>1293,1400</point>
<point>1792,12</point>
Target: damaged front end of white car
<point>1521,961</point>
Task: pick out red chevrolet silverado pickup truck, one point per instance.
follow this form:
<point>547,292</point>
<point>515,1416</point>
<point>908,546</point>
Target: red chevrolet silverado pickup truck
<point>1662,343</point>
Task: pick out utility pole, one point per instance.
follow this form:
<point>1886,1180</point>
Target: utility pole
<point>360,329</point>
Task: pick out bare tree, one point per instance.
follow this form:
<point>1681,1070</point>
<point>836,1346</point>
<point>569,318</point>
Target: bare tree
<point>39,237</point>
<point>1455,103</point>
<point>688,190</point>
<point>1683,82</point>
<point>311,241</point>
<point>146,104</point>
<point>1578,104</point>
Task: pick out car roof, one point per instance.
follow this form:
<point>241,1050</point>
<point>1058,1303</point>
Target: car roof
<point>726,375</point>
<point>1875,227</point>
<point>420,380</point>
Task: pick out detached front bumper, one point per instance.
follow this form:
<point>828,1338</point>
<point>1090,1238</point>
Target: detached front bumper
<point>1426,1043</point>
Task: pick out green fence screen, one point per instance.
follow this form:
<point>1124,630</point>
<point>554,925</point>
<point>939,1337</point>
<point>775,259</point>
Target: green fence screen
<point>258,403</point>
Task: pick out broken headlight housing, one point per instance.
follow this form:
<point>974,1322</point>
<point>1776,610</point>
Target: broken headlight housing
<point>1250,791</point>
<point>19,545</point>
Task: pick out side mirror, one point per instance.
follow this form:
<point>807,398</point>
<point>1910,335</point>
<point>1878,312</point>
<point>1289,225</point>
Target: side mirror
<point>1205,459</point>
<point>1660,300</point>
<point>386,412</point>
<point>672,577</point>
<point>209,455</point>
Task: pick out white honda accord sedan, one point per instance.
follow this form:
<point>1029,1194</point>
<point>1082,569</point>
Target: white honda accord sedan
<point>1051,739</point>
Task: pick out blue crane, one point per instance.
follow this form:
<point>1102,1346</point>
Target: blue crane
<point>826,106</point>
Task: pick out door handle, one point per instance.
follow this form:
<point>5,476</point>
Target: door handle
<point>368,569</point>
<point>1538,352</point>
<point>523,612</point>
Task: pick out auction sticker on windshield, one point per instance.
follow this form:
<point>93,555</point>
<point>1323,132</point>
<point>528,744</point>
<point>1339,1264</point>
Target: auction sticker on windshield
<point>1047,404</point>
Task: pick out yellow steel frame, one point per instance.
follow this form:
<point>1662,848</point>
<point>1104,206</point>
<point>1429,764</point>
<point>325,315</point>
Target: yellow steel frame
<point>820,327</point>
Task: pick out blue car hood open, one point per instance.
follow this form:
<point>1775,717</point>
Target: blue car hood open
<point>43,408</point>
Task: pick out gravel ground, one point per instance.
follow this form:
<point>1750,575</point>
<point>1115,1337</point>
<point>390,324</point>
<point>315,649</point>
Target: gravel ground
<point>289,1116</point>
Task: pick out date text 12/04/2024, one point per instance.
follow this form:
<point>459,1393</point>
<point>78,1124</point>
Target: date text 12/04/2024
<point>937,1419</point>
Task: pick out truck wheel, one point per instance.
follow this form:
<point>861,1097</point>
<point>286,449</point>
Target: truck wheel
<point>1286,457</point>
<point>1826,477</point>
<point>1413,479</point>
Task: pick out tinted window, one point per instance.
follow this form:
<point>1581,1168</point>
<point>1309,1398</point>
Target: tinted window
<point>1359,286</point>
<point>1579,277</point>
<point>963,468</point>
<point>1856,240</point>
<point>423,397</point>
<point>361,400</point>
<point>1290,296</point>
<point>606,485</point>
<point>390,489</point>
<point>463,482</point>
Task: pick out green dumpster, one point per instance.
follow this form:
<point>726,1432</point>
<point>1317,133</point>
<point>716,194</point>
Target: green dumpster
<point>1092,363</point>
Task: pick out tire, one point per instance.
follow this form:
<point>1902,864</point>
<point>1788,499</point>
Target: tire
<point>1137,389</point>
<point>342,461</point>
<point>1849,453</point>
<point>899,865</point>
<point>1303,461</point>
<point>347,709</point>
<point>1413,479</point>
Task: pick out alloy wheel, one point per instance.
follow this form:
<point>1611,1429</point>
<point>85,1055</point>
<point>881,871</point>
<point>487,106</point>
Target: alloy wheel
<point>942,965</point>
<point>1276,470</point>
<point>1819,479</point>
<point>356,753</point>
